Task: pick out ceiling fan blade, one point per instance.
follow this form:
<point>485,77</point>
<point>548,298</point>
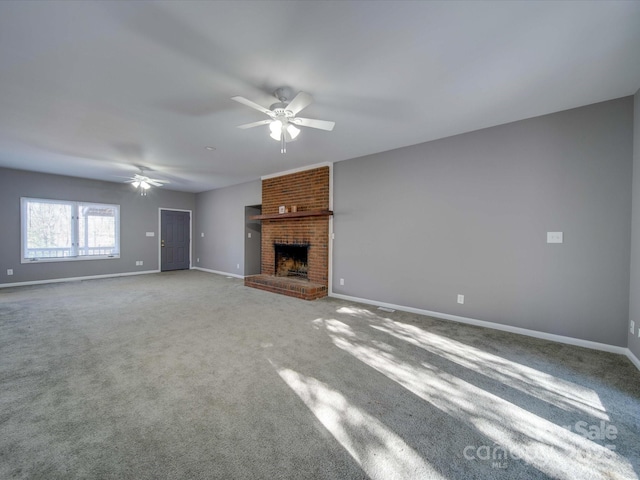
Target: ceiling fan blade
<point>251,104</point>
<point>157,180</point>
<point>300,101</point>
<point>310,122</point>
<point>154,183</point>
<point>255,124</point>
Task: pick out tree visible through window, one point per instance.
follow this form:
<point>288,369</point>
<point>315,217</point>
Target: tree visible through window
<point>55,229</point>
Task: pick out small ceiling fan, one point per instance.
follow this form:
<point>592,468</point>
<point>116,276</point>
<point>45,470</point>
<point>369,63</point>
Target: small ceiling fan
<point>282,119</point>
<point>144,183</point>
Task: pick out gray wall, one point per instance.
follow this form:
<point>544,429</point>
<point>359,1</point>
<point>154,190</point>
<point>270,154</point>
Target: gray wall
<point>634,297</point>
<point>469,215</point>
<point>138,215</point>
<point>220,216</point>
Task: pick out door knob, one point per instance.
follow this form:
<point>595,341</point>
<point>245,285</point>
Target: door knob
<point>162,243</point>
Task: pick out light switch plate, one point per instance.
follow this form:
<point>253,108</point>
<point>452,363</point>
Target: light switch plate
<point>555,237</point>
<point>632,327</point>
<point>249,234</point>
<point>151,234</point>
<point>9,271</point>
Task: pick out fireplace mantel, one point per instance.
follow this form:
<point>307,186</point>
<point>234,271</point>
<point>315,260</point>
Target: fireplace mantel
<point>283,216</point>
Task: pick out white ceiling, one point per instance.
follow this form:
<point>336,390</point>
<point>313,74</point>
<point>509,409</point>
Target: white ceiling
<point>93,89</point>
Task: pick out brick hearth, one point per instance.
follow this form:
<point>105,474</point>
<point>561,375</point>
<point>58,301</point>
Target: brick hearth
<point>293,287</point>
<point>309,192</point>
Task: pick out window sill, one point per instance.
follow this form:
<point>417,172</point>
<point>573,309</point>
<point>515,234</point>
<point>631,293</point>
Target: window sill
<point>35,261</point>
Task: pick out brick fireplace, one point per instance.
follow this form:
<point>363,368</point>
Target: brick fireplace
<point>302,234</point>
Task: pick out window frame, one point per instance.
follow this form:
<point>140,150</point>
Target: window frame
<point>75,231</point>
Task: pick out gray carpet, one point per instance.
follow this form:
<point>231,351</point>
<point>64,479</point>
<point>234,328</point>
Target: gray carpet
<point>192,375</point>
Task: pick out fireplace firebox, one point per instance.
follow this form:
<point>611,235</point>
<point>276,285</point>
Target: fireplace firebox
<point>291,260</point>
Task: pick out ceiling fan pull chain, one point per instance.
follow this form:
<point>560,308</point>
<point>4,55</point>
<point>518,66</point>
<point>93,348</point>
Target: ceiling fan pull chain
<point>283,147</point>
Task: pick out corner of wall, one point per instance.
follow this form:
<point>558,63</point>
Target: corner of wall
<point>219,227</point>
<point>633,338</point>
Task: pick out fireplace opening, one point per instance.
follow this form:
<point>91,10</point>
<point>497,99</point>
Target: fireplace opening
<point>291,260</point>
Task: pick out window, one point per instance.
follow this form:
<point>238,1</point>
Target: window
<point>55,230</point>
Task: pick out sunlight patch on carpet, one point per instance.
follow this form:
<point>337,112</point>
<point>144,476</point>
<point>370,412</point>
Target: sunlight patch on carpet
<point>540,443</point>
<point>561,393</point>
<point>380,452</point>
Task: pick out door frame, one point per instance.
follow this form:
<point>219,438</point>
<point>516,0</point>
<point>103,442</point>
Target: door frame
<point>160,235</point>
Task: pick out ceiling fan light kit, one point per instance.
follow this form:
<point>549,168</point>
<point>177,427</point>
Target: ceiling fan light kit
<point>143,183</point>
<point>282,125</point>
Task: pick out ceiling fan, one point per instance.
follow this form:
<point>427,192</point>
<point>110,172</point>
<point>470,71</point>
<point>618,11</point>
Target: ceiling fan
<point>282,119</point>
<point>144,183</point>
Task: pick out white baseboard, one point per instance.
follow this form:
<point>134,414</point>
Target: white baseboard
<point>497,326</point>
<point>633,358</point>
<point>217,272</point>
<point>75,279</point>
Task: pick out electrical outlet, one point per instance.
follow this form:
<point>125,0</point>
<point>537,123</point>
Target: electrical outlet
<point>238,266</point>
<point>249,235</point>
<point>555,237</point>
<point>342,281</point>
<point>141,263</point>
<point>632,327</point>
<point>460,298</point>
<point>9,271</point>
<point>202,234</point>
<point>198,260</point>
